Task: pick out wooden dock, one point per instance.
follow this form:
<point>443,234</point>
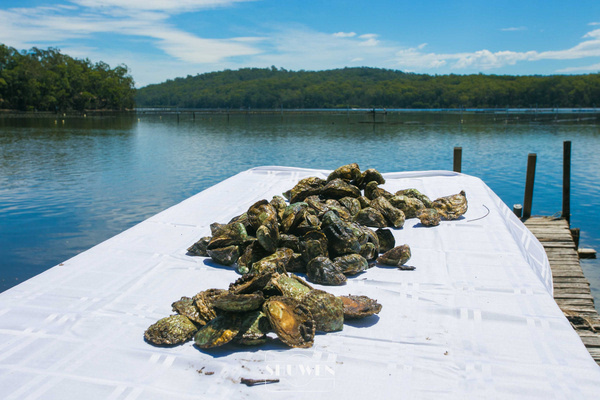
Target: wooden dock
<point>571,288</point>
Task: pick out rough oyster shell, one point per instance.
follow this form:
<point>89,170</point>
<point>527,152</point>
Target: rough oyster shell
<point>373,191</point>
<point>349,172</point>
<point>291,321</point>
<point>306,187</point>
<point>186,306</point>
<point>323,271</point>
<point>451,207</point>
<point>372,217</point>
<point>171,330</point>
<point>414,193</point>
<point>386,239</point>
<point>239,302</point>
<point>341,235</point>
<point>225,255</point>
<point>254,329</point>
<point>399,255</point>
<point>218,331</point>
<point>250,283</point>
<point>351,264</point>
<point>291,286</point>
<point>359,306</point>
<point>327,310</point>
<point>199,248</point>
<point>275,262</point>
<point>204,303</point>
<point>393,215</point>
<point>338,188</point>
<point>429,217</point>
<point>411,206</point>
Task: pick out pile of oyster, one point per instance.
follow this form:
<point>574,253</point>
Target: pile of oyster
<point>255,305</point>
<point>324,228</point>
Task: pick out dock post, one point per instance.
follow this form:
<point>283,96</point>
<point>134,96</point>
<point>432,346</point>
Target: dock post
<point>566,201</point>
<point>457,159</point>
<point>531,159</point>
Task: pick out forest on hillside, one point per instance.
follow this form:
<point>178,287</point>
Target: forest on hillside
<point>47,80</point>
<point>258,88</point>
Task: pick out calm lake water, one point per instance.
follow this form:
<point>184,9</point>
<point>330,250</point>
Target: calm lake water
<point>65,187</point>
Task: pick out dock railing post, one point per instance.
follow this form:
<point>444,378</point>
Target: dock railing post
<point>531,159</point>
<point>457,159</point>
<point>566,201</point>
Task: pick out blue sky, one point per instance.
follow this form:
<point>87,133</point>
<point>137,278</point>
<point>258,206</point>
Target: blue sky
<point>165,39</point>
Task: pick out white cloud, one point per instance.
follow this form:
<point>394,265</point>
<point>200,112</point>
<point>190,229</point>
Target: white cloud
<point>514,28</point>
<point>369,39</point>
<point>344,34</point>
<point>586,68</point>
<point>171,6</point>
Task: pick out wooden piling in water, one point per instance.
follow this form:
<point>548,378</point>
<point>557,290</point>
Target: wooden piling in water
<point>566,200</point>
<point>457,159</point>
<point>528,199</point>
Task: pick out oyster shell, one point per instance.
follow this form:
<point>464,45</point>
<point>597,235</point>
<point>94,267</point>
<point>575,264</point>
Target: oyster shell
<point>386,239</point>
<point>373,191</point>
<point>359,306</point>
<point>314,244</point>
<point>397,256</point>
<point>414,193</point>
<point>393,215</point>
<point>275,262</point>
<point>306,187</point>
<point>172,330</point>
<point>291,321</point>
<point>239,302</point>
<point>349,172</point>
<point>323,271</point>
<point>370,216</point>
<point>451,207</point>
<point>351,264</point>
<point>429,217</point>
<point>218,331</point>
<point>225,255</point>
<point>338,188</point>
<point>291,286</point>
<point>230,234</point>
<point>341,235</point>
<point>250,283</point>
<point>326,309</point>
<point>204,303</point>
<point>369,175</point>
<point>351,204</point>
<point>199,248</point>
<point>185,306</point>
<point>254,329</point>
<point>411,206</point>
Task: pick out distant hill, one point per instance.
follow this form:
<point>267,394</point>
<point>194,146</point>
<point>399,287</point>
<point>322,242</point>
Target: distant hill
<point>259,88</point>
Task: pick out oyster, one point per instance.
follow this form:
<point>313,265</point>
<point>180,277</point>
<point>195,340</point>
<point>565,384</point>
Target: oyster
<point>386,239</point>
<point>350,172</point>
<point>293,215</point>
<point>323,271</point>
<point>338,188</point>
<point>314,244</point>
<point>373,191</point>
<point>254,329</point>
<point>369,175</point>
<point>341,236</point>
<point>279,205</point>
<point>204,303</point>
<point>429,217</point>
<point>218,331</point>
<point>393,215</point>
<point>370,216</point>
<point>239,302</point>
<point>291,321</point>
<point>306,187</point>
<point>291,286</point>
<point>225,255</point>
<point>351,204</point>
<point>411,206</point>
<point>414,193</point>
<point>326,309</point>
<point>296,263</point>
<point>351,264</point>
<point>185,306</point>
<point>451,207</point>
<point>230,234</point>
<point>359,306</point>
<point>172,330</point>
<point>397,256</point>
<point>199,248</point>
<point>250,283</point>
<point>275,262</point>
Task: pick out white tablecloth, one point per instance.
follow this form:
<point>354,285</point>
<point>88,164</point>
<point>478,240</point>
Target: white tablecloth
<point>476,319</point>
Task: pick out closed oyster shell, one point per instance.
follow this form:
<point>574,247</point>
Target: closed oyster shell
<point>230,234</point>
<point>225,255</point>
<point>351,264</point>
<point>338,188</point>
<point>327,310</point>
<point>386,239</point>
<point>250,283</point>
<point>291,286</point>
<point>359,306</point>
<point>414,193</point>
<point>306,187</point>
<point>275,262</point>
<point>411,206</point>
<point>323,271</point>
<point>393,215</point>
<point>199,248</point>
<point>373,191</point>
<point>218,331</point>
<point>349,172</point>
<point>372,217</point>
<point>429,217</point>
<point>254,329</point>
<point>172,330</point>
<point>397,256</point>
<point>185,306</point>
<point>291,321</point>
<point>204,303</point>
<point>451,207</point>
<point>341,235</point>
<point>239,302</point>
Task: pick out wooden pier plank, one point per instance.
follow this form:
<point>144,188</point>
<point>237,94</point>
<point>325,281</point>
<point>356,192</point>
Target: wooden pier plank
<point>571,288</point>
